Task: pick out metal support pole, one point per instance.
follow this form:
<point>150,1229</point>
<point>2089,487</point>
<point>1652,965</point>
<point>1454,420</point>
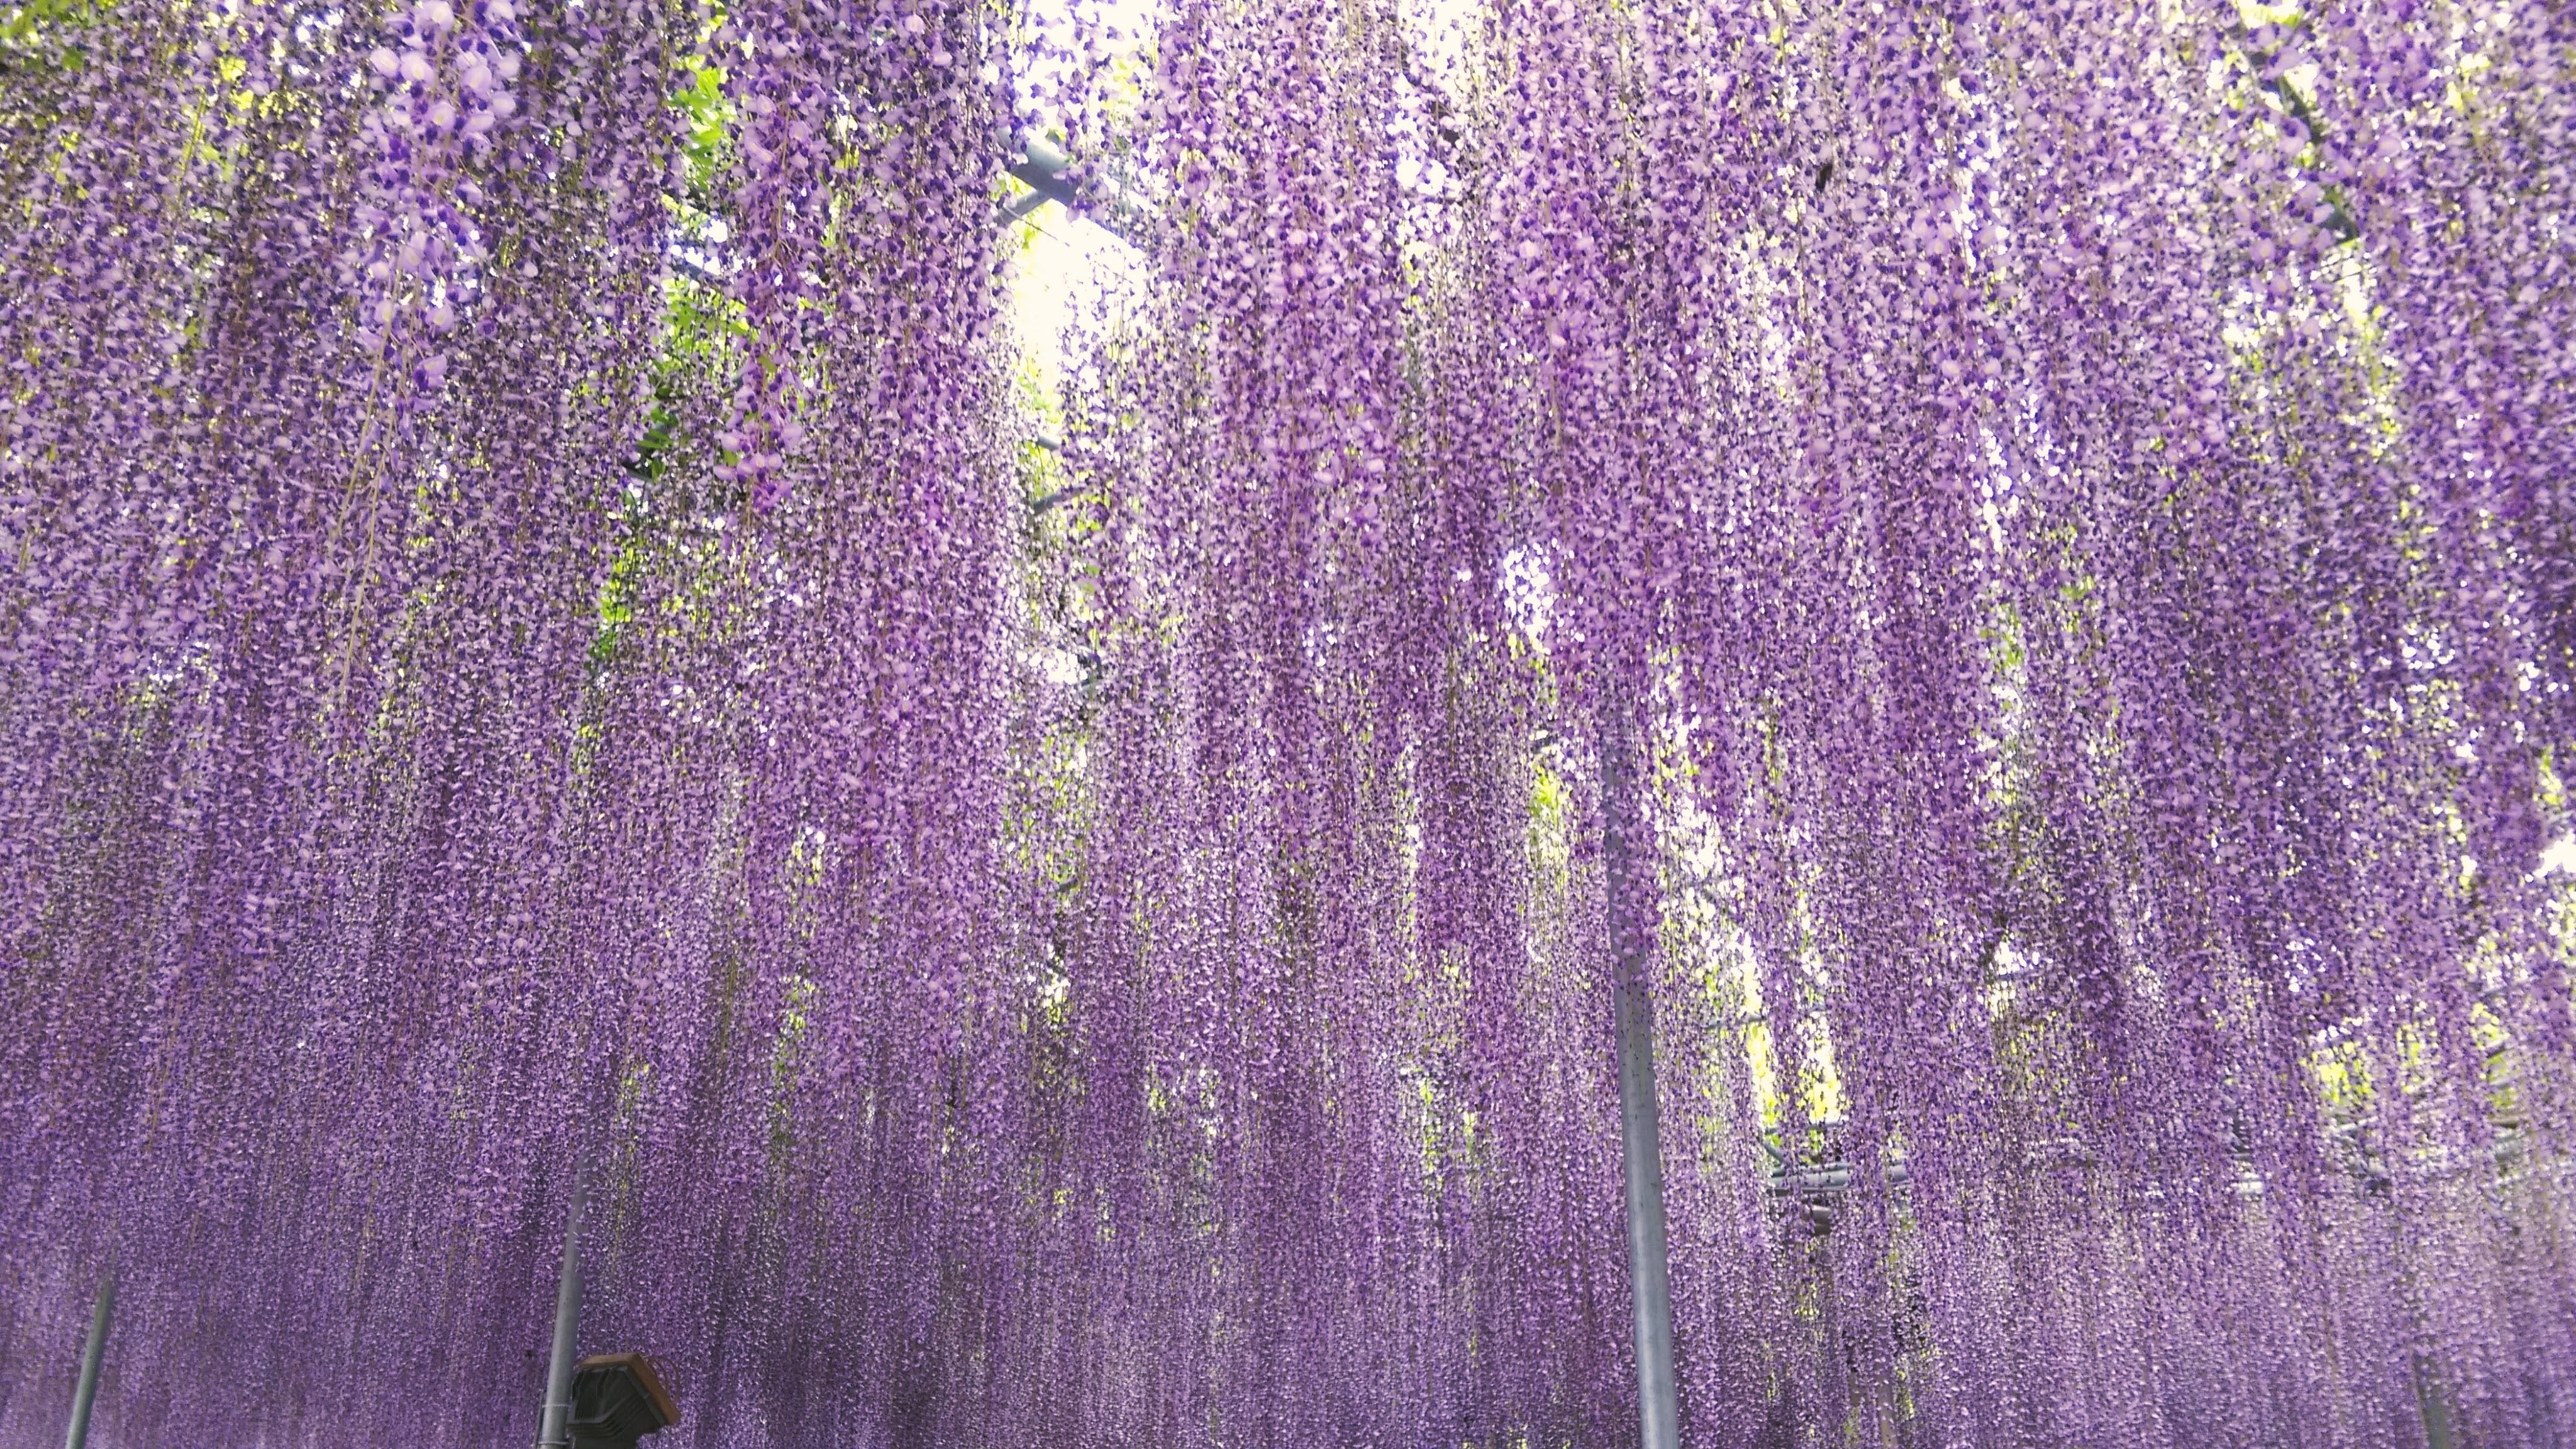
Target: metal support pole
<point>553,1430</point>
<point>1624,856</point>
<point>93,1353</point>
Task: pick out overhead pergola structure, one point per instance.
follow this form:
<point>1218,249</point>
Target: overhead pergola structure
<point>1040,166</point>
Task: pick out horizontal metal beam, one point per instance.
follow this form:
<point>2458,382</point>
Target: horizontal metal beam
<point>1040,167</point>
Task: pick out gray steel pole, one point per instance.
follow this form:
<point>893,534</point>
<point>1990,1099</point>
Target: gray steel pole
<point>101,1313</point>
<point>1624,854</point>
<point>553,1430</point>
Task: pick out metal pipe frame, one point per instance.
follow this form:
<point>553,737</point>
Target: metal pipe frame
<point>1624,854</point>
<point>554,1425</point>
<point>102,1313</point>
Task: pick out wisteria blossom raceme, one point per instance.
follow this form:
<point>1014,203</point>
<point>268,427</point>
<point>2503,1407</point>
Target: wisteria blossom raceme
<point>2020,558</point>
<point>446,82</point>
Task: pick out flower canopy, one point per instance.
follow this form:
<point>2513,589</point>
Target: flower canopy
<point>558,628</point>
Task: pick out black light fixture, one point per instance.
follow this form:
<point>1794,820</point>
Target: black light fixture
<point>617,1399</point>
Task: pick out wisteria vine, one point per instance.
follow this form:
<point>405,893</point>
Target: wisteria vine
<point>559,637</point>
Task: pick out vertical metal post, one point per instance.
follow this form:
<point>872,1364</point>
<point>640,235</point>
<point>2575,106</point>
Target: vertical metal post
<point>553,1431</point>
<point>1624,855</point>
<point>93,1353</point>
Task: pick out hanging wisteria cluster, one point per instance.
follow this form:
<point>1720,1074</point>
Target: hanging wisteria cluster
<point>2015,564</point>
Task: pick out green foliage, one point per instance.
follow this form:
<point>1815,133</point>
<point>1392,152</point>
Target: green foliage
<point>701,98</point>
<point>46,33</point>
